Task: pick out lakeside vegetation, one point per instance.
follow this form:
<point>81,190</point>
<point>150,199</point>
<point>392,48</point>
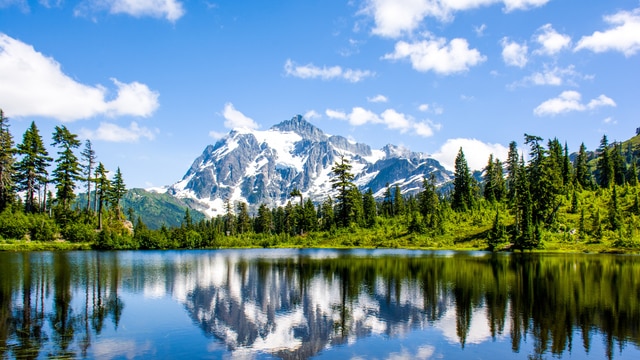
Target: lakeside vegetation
<point>550,202</point>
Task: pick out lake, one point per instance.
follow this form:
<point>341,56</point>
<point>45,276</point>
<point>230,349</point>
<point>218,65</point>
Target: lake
<point>325,304</point>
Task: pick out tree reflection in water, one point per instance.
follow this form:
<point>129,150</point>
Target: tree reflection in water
<point>298,304</point>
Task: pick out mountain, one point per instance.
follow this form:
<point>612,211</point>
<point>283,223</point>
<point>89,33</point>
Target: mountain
<point>265,166</point>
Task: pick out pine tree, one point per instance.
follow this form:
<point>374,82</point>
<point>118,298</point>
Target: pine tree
<point>632,175</point>
<point>7,160</point>
<point>369,205</point>
<point>387,202</point>
<point>582,175</point>
<point>462,198</point>
<point>429,203</point>
<point>398,201</point>
<point>31,171</point>
<point>619,165</point>
<point>263,223</point>
<point>328,219</point>
<point>244,220</point>
<point>88,156</point>
<point>67,171</point>
<point>343,183</point>
<point>512,170</point>
<point>489,181</point>
<point>117,190</point>
<point>229,219</point>
<point>102,190</point>
<point>615,217</point>
<point>605,165</point>
<point>566,166</point>
<point>309,216</point>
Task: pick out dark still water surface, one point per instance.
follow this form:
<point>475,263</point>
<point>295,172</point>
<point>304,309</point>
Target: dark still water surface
<point>328,304</point>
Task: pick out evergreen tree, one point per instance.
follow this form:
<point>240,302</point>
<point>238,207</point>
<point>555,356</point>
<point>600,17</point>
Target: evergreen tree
<point>296,192</point>
<point>398,201</point>
<point>582,175</point>
<point>229,219</point>
<point>88,156</point>
<point>357,209</point>
<point>369,206</point>
<point>7,160</point>
<point>512,170</point>
<point>263,223</point>
<point>429,203</point>
<point>632,175</point>
<point>566,167</point>
<point>117,190</point>
<point>619,165</point>
<point>343,183</point>
<point>67,171</point>
<point>489,192</point>
<point>604,166</point>
<point>387,202</point>
<point>328,220</point>
<point>497,233</point>
<point>615,217</point>
<point>187,222</point>
<point>309,221</point>
<point>31,171</point>
<point>102,190</point>
<point>244,220</point>
<point>462,198</point>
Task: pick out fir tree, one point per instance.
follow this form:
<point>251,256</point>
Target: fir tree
<point>398,201</point>
<point>369,207</point>
<point>31,171</point>
<point>619,165</point>
<point>328,221</point>
<point>615,217</point>
<point>117,190</point>
<point>512,170</point>
<point>605,165</point>
<point>632,175</point>
<point>343,183</point>
<point>429,203</point>
<point>566,167</point>
<point>67,171</point>
<point>462,198</point>
<point>88,156</point>
<point>244,220</point>
<point>582,175</point>
<point>229,219</point>
<point>102,190</point>
<point>7,160</point>
<point>263,223</point>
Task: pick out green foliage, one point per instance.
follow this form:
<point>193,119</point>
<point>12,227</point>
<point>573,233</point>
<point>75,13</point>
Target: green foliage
<point>13,225</point>
<point>43,228</point>
<point>79,232</point>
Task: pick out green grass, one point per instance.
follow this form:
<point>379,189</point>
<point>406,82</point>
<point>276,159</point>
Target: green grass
<point>21,245</point>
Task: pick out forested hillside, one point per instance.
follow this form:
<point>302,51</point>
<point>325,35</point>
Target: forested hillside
<point>552,200</point>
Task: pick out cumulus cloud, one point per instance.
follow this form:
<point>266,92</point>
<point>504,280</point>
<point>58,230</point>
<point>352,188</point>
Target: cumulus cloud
<point>311,71</point>
<point>378,99</point>
<point>551,41</point>
<point>394,18</point>
<point>115,133</point>
<point>311,114</point>
<point>435,54</point>
<point>553,76</point>
<point>475,151</point>
<point>32,84</point>
<point>514,54</point>
<point>216,135</point>
<point>391,118</point>
<point>172,10</point>
<point>432,108</point>
<point>569,101</point>
<point>623,34</point>
<point>235,119</point>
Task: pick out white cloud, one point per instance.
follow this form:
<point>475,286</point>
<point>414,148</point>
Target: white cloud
<point>569,101</point>
<point>434,54</point>
<point>475,151</point>
<point>551,41</point>
<point>378,99</point>
<point>235,119</point>
<point>311,71</point>
<point>623,36</point>
<point>609,120</point>
<point>311,114</point>
<point>433,108</point>
<point>394,18</point>
<point>554,76</point>
<point>115,133</point>
<point>480,29</point>
<point>514,54</point>
<point>172,10</point>
<point>392,119</point>
<point>32,84</point>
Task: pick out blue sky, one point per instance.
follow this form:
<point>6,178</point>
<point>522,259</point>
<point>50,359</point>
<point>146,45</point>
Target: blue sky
<point>152,82</point>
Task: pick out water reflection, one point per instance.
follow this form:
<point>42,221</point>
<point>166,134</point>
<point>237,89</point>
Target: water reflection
<point>298,304</point>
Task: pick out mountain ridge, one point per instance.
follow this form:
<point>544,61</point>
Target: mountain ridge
<point>264,166</point>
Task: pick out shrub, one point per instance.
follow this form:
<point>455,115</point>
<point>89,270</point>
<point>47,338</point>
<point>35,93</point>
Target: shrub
<point>79,232</point>
<point>13,225</point>
<point>42,228</point>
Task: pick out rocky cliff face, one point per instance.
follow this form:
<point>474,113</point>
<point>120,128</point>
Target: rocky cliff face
<point>265,166</point>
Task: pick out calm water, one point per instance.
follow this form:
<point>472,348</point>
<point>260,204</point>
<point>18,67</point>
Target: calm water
<point>297,304</point>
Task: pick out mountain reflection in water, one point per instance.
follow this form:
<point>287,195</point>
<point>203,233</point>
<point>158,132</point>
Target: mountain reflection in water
<point>297,304</point>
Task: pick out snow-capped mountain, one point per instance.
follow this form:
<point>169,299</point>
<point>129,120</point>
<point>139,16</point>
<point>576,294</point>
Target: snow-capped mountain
<point>265,166</point>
